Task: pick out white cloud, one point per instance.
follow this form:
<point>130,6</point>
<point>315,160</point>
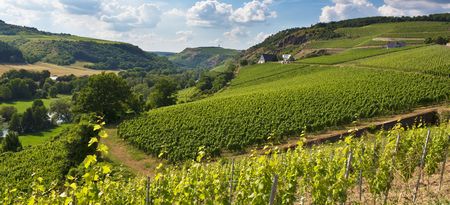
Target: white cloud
<point>81,7</point>
<point>213,13</point>
<point>237,33</point>
<point>124,18</point>
<point>345,9</point>
<point>209,13</point>
<point>254,11</point>
<point>175,12</point>
<point>184,36</point>
<point>413,7</point>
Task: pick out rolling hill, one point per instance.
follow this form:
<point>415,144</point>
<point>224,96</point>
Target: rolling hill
<point>203,57</point>
<point>271,102</point>
<point>29,45</point>
<point>353,33</point>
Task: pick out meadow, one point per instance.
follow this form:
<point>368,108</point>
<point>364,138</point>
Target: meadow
<point>22,105</point>
<point>32,139</point>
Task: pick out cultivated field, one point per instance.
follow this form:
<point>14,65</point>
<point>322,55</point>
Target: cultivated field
<point>56,70</point>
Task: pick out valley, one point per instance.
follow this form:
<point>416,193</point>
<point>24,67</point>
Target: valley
<point>355,111</point>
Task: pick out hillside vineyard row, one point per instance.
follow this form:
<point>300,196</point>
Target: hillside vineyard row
<point>323,174</point>
<point>302,99</point>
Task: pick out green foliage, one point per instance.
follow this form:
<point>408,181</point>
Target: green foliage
<point>35,118</point>
<point>430,59</point>
<point>15,124</point>
<point>6,112</point>
<point>51,160</point>
<point>60,110</point>
<point>10,54</point>
<point>315,175</point>
<point>64,49</point>
<point>162,94</point>
<point>260,105</point>
<point>22,84</point>
<point>11,143</point>
<point>203,57</point>
<point>106,95</point>
<point>102,55</point>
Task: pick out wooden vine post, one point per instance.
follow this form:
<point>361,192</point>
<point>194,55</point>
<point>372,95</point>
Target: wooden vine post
<point>360,175</point>
<point>274,190</point>
<point>348,164</point>
<point>147,197</point>
<point>422,160</point>
<point>231,182</point>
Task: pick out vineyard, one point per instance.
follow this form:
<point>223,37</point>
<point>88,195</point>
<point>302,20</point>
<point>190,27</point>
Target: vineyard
<point>430,59</point>
<point>271,107</point>
<point>368,167</point>
<point>51,160</point>
<point>350,55</point>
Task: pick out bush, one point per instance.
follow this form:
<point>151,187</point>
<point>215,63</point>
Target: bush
<point>11,143</point>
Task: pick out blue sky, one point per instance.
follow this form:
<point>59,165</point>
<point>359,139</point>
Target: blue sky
<point>172,25</point>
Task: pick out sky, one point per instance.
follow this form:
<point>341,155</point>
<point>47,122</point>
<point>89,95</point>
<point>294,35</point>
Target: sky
<point>172,25</point>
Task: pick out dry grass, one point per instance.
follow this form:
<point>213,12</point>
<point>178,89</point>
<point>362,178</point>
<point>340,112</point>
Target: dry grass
<point>56,70</point>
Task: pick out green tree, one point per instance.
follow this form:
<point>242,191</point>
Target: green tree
<point>162,94</point>
<point>11,143</point>
<point>27,121</point>
<point>60,110</point>
<point>106,95</point>
<point>7,112</point>
<point>53,92</point>
<point>440,40</point>
<point>5,93</point>
<point>15,123</point>
<point>40,116</point>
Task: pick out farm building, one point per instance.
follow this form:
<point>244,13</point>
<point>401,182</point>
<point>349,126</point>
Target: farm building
<point>395,44</point>
<point>267,58</point>
<point>287,58</point>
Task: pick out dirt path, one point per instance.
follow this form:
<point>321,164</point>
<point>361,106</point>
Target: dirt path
<point>124,154</point>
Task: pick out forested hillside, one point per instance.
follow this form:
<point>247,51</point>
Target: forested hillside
<point>65,49</point>
<point>203,57</point>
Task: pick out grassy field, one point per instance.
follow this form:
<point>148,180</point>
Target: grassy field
<point>76,69</point>
<point>431,59</point>
<point>21,106</point>
<point>40,137</point>
<point>350,55</point>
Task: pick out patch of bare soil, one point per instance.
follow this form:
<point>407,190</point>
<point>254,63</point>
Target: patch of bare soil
<point>122,153</point>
